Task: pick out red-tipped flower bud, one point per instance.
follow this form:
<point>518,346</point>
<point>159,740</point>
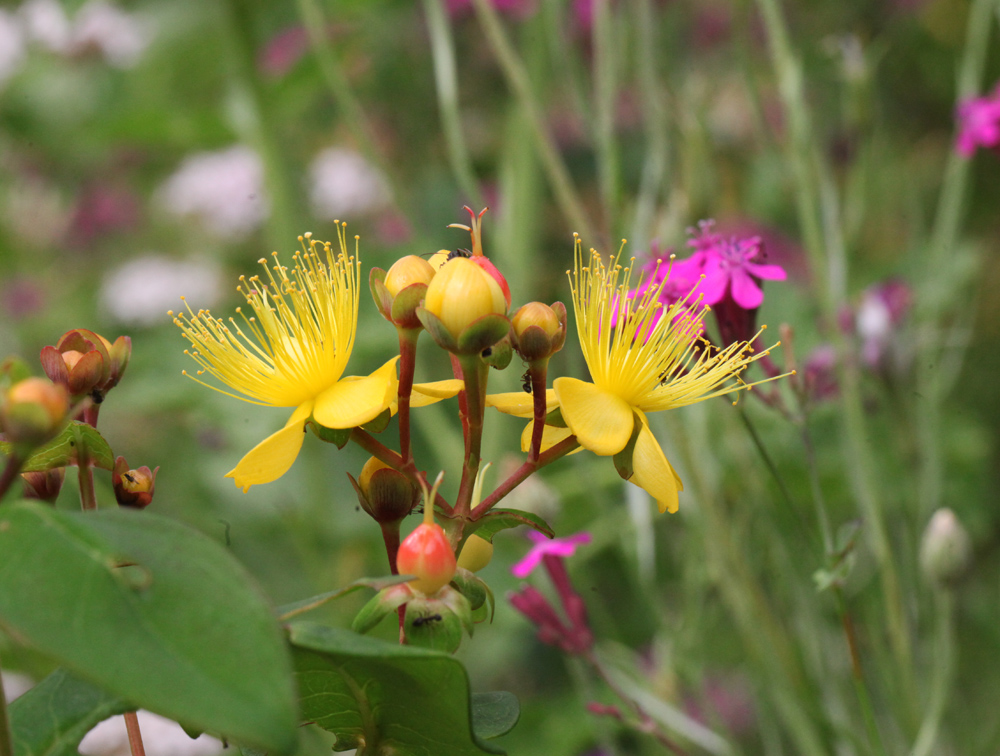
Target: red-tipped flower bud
<point>33,411</point>
<point>133,488</point>
<point>461,293</point>
<point>427,554</point>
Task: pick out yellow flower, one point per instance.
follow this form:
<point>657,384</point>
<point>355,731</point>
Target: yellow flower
<point>644,364</point>
<point>292,352</point>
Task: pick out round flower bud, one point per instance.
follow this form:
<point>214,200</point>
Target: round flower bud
<point>461,293</point>
<point>133,488</point>
<point>427,554</point>
<point>385,493</point>
<point>476,553</point>
<point>44,485</point>
<point>33,411</point>
<point>945,549</point>
<point>539,330</point>
<point>407,271</point>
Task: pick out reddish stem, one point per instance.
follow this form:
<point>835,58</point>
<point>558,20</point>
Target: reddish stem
<point>134,735</point>
<point>407,365</point>
<point>537,374</point>
<point>548,456</point>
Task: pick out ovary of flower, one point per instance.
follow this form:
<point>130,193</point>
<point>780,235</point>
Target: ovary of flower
<point>292,352</point>
<point>645,364</point>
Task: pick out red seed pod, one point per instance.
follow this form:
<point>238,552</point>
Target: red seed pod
<point>427,554</point>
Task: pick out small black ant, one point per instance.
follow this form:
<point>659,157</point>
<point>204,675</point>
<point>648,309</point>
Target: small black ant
<point>526,381</point>
<point>129,477</point>
<point>421,621</point>
<point>487,352</point>
<point>458,253</point>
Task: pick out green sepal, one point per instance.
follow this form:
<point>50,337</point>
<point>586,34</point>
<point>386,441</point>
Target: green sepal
<point>380,605</point>
<point>404,306</point>
<point>470,586</point>
<point>534,343</point>
<point>500,354</point>
<point>337,436</point>
<point>441,335</point>
<point>381,295</point>
<point>496,520</point>
<point>380,423</point>
<point>65,450</point>
<point>555,418</point>
<point>429,623</point>
<point>623,459</point>
<point>482,333</point>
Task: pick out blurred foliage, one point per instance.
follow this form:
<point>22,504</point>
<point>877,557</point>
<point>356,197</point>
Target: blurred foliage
<point>87,147</point>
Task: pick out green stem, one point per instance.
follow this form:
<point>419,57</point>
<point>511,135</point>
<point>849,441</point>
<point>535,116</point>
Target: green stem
<point>931,384</point>
<point>819,217</point>
<point>443,54</point>
<point>352,113</point>
<point>9,474</point>
<point>88,497</point>
<point>945,667</point>
<point>474,373</point>
<point>6,736</point>
<point>857,674</point>
<point>605,106</point>
<point>281,188</point>
<point>646,723</point>
<point>548,153</point>
<point>655,123</point>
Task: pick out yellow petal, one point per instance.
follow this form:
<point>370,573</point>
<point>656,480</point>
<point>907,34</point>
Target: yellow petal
<point>602,422</point>
<point>550,437</point>
<point>429,393</point>
<point>653,473</point>
<point>520,403</point>
<point>271,458</point>
<point>355,401</point>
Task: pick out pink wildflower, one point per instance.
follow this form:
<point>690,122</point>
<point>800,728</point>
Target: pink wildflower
<point>979,124</point>
<point>559,547</point>
<point>728,266</point>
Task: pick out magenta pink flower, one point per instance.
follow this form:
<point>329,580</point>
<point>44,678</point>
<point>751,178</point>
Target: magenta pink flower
<point>558,547</point>
<point>979,124</point>
<point>728,267</point>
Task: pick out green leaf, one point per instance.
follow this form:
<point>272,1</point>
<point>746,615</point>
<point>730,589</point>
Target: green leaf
<point>501,519</point>
<point>52,718</point>
<point>69,446</point>
<point>288,611</point>
<point>494,714</point>
<point>391,699</point>
<point>152,611</point>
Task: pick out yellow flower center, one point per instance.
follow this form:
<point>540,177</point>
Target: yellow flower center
<point>297,341</point>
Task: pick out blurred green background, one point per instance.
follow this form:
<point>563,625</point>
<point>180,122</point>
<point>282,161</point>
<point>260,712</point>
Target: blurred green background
<point>155,149</point>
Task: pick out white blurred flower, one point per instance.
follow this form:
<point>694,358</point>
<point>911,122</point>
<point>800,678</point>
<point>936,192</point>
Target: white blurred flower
<point>119,36</point>
<point>46,22</point>
<point>141,291</point>
<point>15,685</point>
<point>160,737</point>
<point>223,189</point>
<point>342,183</point>
<point>11,45</point>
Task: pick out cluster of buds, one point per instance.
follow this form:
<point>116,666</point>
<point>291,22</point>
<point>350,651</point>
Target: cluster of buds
<point>88,365</point>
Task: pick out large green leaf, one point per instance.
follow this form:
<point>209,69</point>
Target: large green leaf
<point>152,611</point>
<point>382,698</point>
<point>52,718</point>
